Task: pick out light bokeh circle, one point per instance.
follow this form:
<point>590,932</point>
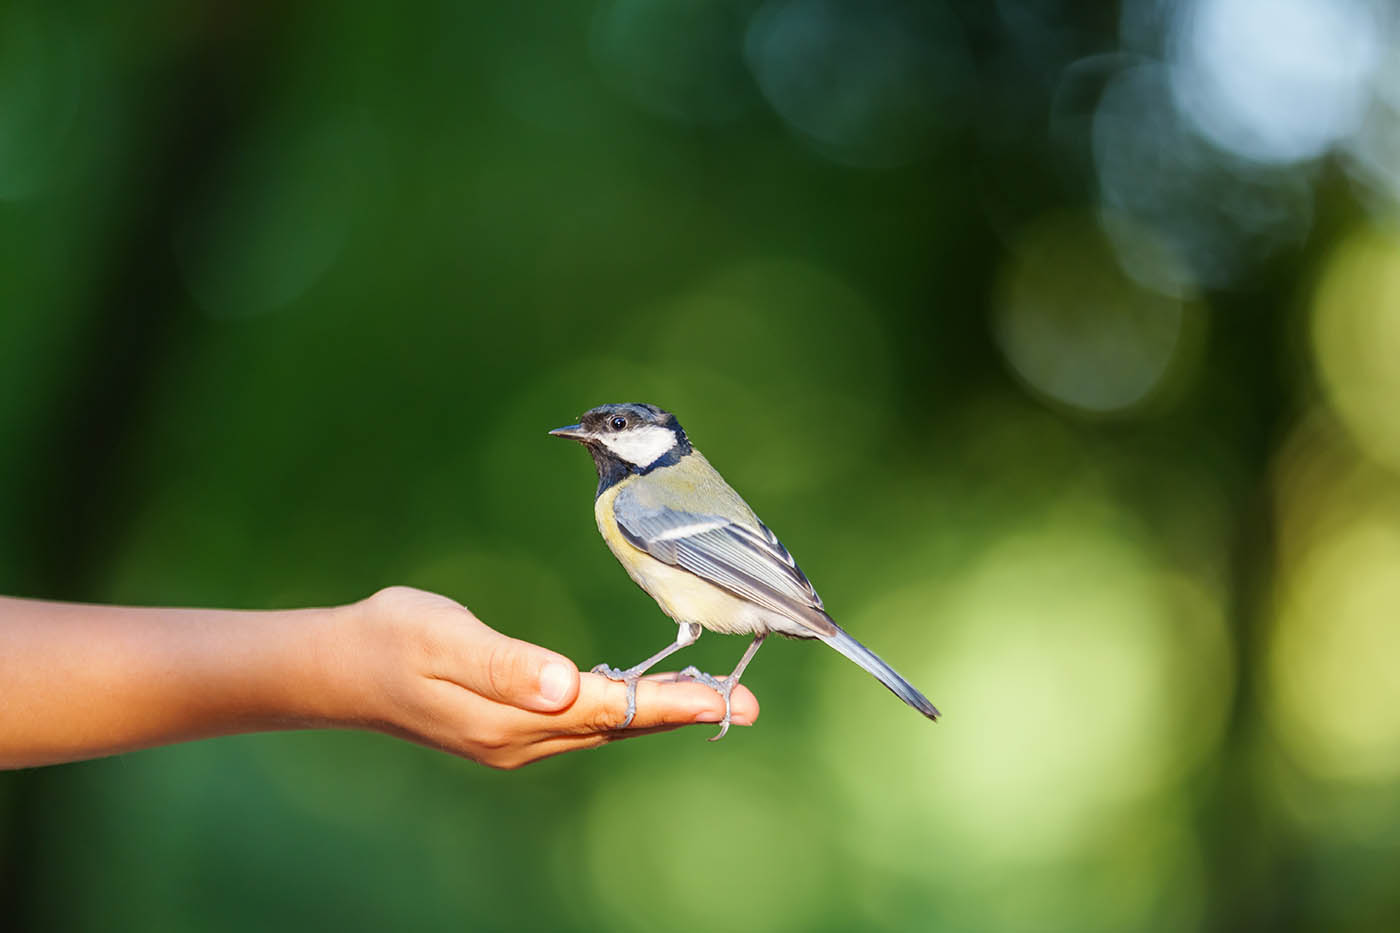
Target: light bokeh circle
<point>1356,339</point>
<point>1068,665</point>
<point>1332,688</point>
<point>1074,327</point>
<point>1299,83</point>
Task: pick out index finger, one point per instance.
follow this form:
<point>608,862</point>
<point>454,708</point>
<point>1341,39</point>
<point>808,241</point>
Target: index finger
<point>662,702</point>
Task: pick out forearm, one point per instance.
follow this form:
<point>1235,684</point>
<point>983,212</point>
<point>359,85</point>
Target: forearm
<point>79,681</point>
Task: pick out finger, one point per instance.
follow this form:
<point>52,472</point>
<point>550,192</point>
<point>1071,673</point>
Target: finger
<point>559,744</point>
<point>506,670</point>
<point>661,703</point>
<point>743,705</point>
<point>464,723</point>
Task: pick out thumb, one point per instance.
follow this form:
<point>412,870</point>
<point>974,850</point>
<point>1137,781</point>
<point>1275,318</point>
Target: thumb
<point>517,673</point>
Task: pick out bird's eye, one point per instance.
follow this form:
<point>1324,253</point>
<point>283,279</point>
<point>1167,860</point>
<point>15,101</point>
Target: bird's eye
<point>619,423</point>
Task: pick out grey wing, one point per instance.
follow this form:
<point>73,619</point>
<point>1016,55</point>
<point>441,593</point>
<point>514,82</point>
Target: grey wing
<point>749,562</point>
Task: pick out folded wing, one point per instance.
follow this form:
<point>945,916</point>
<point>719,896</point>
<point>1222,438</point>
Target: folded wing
<point>748,561</point>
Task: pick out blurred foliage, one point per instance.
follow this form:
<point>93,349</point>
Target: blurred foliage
<point>1058,341</point>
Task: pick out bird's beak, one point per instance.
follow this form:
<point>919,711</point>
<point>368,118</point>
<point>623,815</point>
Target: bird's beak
<point>572,431</point>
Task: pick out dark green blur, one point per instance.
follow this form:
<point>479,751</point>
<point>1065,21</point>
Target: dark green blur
<point>291,293</point>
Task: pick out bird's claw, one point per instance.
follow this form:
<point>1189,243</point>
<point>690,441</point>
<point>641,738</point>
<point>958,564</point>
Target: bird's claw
<point>629,678</point>
<point>724,686</point>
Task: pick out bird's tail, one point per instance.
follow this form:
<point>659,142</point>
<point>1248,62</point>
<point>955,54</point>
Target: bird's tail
<point>883,672</point>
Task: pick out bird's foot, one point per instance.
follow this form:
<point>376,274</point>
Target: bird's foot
<point>629,678</point>
<point>694,673</point>
<point>724,686</point>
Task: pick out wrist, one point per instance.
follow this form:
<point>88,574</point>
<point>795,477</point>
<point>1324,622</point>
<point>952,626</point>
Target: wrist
<point>365,656</point>
<point>333,651</point>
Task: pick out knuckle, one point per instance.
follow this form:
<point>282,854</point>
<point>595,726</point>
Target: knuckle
<point>599,740</point>
<point>503,668</point>
<point>609,715</point>
<point>493,739</point>
<point>391,594</point>
<point>507,756</point>
<point>394,607</point>
<point>407,599</point>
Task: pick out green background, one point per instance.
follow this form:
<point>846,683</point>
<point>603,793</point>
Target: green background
<point>291,293</point>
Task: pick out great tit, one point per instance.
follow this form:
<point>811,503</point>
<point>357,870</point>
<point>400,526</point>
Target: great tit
<point>697,548</point>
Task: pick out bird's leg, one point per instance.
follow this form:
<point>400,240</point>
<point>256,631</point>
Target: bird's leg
<point>686,635</point>
<point>724,686</point>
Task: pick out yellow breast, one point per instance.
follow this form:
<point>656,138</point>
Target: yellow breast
<point>681,595</point>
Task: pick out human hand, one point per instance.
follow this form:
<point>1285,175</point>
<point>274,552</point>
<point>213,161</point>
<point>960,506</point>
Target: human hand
<point>426,669</point>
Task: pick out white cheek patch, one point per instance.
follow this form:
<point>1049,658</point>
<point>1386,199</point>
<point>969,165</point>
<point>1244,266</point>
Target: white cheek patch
<point>640,446</point>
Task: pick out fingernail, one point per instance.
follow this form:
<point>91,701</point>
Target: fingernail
<point>555,682</point>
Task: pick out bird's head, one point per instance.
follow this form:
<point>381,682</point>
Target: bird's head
<point>633,434</point>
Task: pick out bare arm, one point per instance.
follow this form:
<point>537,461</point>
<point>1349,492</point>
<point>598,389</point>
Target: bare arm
<point>81,681</point>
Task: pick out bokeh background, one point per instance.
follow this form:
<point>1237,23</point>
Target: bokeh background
<point>1060,342</point>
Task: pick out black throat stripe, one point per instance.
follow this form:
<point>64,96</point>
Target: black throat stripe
<point>612,469</point>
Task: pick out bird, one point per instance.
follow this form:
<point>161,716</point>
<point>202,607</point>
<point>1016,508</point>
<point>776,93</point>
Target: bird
<point>693,544</point>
